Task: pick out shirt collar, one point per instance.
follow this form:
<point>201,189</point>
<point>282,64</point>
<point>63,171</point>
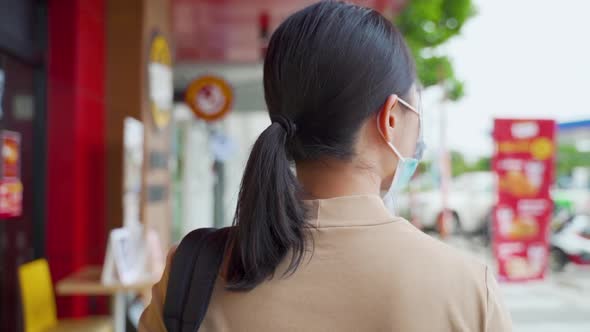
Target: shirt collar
<point>348,211</point>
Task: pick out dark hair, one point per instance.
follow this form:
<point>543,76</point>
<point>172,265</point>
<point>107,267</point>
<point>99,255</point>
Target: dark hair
<point>328,68</point>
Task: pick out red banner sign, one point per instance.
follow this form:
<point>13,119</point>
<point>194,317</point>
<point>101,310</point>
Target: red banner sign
<point>524,164</point>
<point>11,198</point>
<point>11,188</point>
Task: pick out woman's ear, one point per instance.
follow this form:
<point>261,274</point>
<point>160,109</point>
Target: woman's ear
<point>386,120</point>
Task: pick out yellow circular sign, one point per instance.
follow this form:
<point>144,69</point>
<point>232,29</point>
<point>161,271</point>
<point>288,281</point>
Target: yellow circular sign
<point>161,90</point>
<point>209,97</point>
<point>541,148</point>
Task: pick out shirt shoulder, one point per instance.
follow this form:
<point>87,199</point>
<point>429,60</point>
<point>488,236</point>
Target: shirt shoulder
<point>152,319</point>
<point>437,252</point>
<point>464,283</point>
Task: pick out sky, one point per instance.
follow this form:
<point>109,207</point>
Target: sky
<point>518,58</point>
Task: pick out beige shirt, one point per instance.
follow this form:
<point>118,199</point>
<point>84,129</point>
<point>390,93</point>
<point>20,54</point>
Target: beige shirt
<point>369,271</point>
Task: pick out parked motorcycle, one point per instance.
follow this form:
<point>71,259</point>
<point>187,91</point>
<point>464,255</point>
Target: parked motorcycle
<point>570,242</point>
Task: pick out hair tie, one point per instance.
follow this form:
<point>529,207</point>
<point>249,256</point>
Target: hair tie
<point>287,124</point>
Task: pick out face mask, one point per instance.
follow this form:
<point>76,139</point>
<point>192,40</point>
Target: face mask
<point>406,167</point>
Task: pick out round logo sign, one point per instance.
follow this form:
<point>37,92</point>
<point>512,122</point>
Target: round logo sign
<point>161,89</point>
<point>209,97</point>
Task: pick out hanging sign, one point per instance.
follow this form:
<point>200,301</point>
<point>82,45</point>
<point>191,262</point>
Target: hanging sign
<point>10,166</point>
<point>524,164</point>
<point>2,79</point>
<point>11,188</point>
<point>11,198</point>
<point>160,85</point>
<point>209,97</point>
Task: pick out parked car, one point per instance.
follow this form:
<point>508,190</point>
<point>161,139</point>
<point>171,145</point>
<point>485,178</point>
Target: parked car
<point>470,201</point>
<point>570,242</point>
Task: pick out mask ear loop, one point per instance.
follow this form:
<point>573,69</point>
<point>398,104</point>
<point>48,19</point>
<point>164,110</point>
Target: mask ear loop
<point>420,144</point>
<point>410,107</point>
<point>395,151</point>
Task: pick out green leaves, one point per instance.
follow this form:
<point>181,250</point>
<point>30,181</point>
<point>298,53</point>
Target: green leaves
<point>569,157</point>
<point>459,165</point>
<point>426,24</point>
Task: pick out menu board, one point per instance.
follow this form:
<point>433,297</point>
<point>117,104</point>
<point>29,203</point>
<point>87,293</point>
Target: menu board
<point>524,164</point>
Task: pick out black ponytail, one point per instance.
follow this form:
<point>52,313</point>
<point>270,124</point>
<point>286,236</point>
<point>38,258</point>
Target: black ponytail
<point>270,216</point>
<point>328,69</point>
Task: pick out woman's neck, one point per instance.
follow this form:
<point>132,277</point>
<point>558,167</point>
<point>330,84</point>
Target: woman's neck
<point>328,179</point>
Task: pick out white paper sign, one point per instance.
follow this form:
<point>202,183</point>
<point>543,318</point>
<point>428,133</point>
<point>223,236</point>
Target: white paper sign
<point>133,255</point>
<point>126,257</point>
<point>221,146</point>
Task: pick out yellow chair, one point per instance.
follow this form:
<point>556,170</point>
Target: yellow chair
<point>38,301</point>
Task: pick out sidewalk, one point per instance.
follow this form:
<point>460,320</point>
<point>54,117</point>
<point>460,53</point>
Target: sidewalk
<point>574,277</point>
<point>546,307</point>
<point>560,303</point>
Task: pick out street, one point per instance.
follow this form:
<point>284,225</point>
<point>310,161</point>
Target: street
<point>547,306</point>
<point>561,303</point>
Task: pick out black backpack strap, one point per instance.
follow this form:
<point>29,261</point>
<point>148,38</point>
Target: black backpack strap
<point>204,276</point>
<point>193,273</point>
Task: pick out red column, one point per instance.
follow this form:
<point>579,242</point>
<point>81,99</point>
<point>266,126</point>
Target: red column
<point>75,230</point>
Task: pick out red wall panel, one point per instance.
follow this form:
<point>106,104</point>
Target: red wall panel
<point>228,30</point>
<point>75,232</point>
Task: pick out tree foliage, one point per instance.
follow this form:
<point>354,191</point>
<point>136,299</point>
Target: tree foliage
<point>459,165</point>
<point>569,157</point>
<point>426,24</point>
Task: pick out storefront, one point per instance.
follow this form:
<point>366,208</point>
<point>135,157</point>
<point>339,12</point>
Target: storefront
<point>52,110</point>
<point>71,71</point>
<point>23,132</point>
